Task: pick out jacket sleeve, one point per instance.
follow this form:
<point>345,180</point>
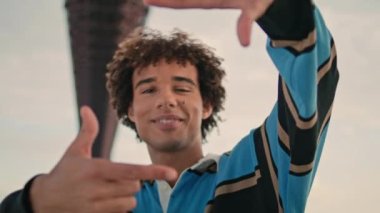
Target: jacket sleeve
<point>18,201</point>
<point>291,139</point>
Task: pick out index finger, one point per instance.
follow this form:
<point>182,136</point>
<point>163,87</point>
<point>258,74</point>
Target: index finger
<point>121,171</point>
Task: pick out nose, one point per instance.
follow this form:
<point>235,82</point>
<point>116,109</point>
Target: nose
<point>166,99</point>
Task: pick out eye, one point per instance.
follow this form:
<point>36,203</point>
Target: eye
<point>182,89</point>
<point>148,91</point>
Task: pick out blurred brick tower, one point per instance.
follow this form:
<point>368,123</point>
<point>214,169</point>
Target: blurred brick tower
<point>95,29</point>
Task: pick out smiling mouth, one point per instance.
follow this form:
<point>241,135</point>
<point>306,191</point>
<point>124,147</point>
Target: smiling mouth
<point>168,122</point>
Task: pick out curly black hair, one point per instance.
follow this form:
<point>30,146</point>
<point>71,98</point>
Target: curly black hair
<point>145,47</point>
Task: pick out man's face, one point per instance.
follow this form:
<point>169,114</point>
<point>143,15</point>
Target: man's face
<point>167,106</point>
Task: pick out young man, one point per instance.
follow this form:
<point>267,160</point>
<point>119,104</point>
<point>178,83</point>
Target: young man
<point>169,91</point>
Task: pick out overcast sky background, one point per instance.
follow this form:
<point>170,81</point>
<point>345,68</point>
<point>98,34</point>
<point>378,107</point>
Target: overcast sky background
<point>37,97</point>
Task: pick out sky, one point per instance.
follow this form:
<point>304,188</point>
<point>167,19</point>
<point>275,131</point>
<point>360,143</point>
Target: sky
<point>37,97</point>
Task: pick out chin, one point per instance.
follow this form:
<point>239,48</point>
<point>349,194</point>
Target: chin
<point>170,145</point>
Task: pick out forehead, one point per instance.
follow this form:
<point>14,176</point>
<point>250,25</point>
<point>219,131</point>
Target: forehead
<point>165,70</point>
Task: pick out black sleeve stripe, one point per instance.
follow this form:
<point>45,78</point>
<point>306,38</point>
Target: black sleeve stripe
<point>270,164</point>
<point>296,53</point>
<point>238,184</point>
<point>326,67</point>
<point>299,133</point>
<point>325,121</point>
<point>283,138</point>
<point>302,123</point>
<point>301,169</point>
<point>297,46</point>
<point>246,189</point>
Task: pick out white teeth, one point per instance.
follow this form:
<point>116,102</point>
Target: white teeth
<point>166,121</point>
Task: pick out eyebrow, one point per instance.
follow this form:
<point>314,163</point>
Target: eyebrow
<point>184,79</point>
<point>175,78</point>
<point>145,81</point>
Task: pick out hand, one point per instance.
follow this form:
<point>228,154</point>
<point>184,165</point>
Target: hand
<point>79,183</point>
<point>251,10</point>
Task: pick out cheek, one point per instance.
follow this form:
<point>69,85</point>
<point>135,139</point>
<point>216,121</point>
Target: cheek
<point>140,108</point>
<point>196,110</point>
<point>140,121</point>
<point>139,112</point>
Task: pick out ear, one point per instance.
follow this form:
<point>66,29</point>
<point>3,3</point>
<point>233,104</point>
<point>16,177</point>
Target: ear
<point>207,111</point>
<point>131,113</point>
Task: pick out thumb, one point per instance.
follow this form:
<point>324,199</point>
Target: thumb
<point>82,145</point>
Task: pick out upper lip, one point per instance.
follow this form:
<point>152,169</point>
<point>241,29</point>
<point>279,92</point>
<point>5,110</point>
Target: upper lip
<point>167,117</point>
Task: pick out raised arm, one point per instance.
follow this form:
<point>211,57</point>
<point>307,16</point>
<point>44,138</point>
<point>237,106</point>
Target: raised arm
<point>292,137</point>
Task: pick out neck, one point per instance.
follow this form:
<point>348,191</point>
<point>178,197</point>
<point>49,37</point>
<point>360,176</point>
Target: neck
<point>179,159</point>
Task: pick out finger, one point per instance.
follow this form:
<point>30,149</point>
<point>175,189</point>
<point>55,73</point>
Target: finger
<point>245,22</point>
<point>114,189</point>
<point>244,28</point>
<point>142,172</point>
<point>119,171</point>
<point>120,204</point>
<point>185,4</point>
<point>82,145</point>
